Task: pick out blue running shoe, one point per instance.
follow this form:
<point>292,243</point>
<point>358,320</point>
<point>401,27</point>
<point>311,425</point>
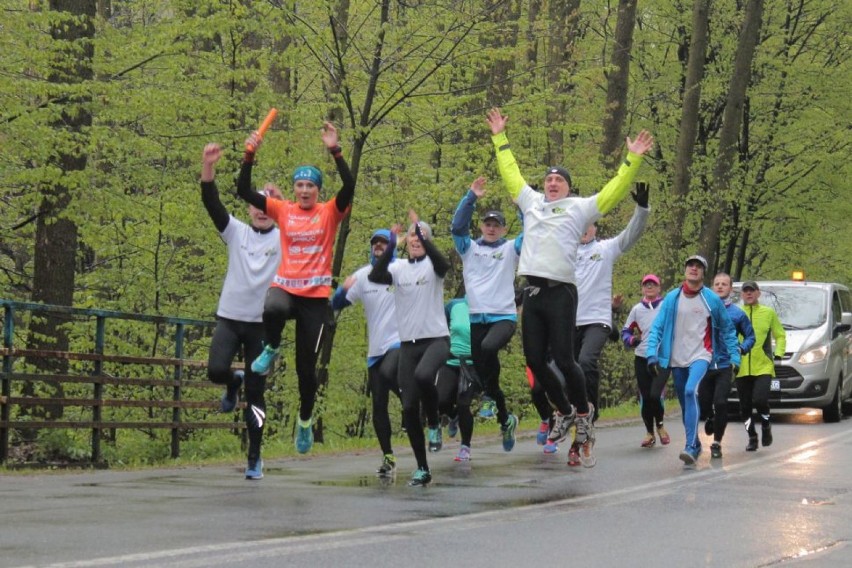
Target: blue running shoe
<point>263,364</point>
<point>232,393</point>
<point>488,408</point>
<point>420,478</point>
<point>304,436</point>
<point>543,431</point>
<point>689,456</point>
<point>551,447</point>
<point>509,432</point>
<point>453,427</point>
<point>254,471</point>
<point>435,440</point>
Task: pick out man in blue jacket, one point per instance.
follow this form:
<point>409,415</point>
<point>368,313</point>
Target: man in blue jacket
<point>692,332</point>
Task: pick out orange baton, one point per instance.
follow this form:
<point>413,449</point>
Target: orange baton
<point>264,126</point>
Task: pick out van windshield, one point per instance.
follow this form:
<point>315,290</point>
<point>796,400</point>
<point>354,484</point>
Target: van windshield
<point>797,307</point>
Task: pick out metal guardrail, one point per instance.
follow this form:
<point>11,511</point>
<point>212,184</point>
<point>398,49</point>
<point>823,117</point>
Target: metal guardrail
<point>11,397</point>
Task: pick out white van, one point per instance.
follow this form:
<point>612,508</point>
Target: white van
<point>817,368</point>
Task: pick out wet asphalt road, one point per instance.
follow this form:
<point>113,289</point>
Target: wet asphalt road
<point>786,505</point>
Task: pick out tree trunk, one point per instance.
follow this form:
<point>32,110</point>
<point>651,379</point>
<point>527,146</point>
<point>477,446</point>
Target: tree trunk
<point>687,133</point>
<point>563,17</point>
<point>618,82</point>
<point>56,234</point>
<point>731,122</point>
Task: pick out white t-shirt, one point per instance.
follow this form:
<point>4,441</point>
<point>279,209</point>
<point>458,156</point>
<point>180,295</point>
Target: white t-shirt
<point>595,262</point>
<point>639,320</point>
<point>692,332</point>
<point>552,232</point>
<point>419,295</point>
<point>253,258</point>
<point>489,278</point>
<point>379,309</point>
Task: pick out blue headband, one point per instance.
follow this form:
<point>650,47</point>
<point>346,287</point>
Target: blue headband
<point>309,173</point>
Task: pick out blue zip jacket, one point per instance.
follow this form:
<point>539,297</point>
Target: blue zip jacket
<point>743,327</point>
<point>723,334</point>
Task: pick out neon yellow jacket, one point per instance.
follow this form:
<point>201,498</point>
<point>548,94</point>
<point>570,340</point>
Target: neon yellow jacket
<point>759,361</point>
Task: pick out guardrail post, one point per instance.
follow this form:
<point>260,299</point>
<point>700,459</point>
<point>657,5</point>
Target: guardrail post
<point>97,409</point>
<point>178,376</point>
<point>6,388</point>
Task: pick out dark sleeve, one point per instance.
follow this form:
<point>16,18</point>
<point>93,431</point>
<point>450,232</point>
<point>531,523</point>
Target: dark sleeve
<point>339,301</point>
<point>217,211</point>
<point>347,192</point>
<point>439,262</point>
<point>380,273</point>
<point>244,187</point>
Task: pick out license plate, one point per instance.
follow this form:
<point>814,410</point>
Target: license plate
<point>775,385</point>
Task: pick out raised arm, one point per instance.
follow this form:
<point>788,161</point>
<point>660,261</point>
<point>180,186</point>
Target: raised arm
<point>244,180</point>
<point>464,213</point>
<point>209,193</point>
<point>633,231</point>
<point>617,188</point>
<point>506,164</point>
<point>347,192</point>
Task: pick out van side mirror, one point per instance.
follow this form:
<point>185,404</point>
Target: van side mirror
<point>844,325</point>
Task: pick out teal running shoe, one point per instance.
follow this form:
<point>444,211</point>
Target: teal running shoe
<point>263,364</point>
<point>304,437</point>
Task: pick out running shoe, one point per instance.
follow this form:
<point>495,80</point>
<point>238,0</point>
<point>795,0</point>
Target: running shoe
<point>488,408</point>
<point>649,440</point>
<point>586,437</point>
<point>690,455</point>
<point>766,435</point>
<point>509,432</point>
<point>420,478</point>
<point>453,427</point>
<point>463,455</point>
<point>254,471</point>
<point>574,455</point>
<point>715,450</point>
<point>708,426</point>
<point>543,430</point>
<point>232,393</point>
<point>551,447</point>
<point>435,440</point>
<point>304,436</point>
<point>561,425</point>
<point>388,466</point>
<point>752,444</point>
<point>665,439</point>
<point>263,364</point>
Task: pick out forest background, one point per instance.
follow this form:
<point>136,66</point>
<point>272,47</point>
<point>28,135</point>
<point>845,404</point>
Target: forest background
<point>105,106</point>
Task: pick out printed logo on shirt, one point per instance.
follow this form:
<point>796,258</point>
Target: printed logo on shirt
<point>597,256</point>
<point>498,255</point>
<point>557,210</point>
<point>422,281</point>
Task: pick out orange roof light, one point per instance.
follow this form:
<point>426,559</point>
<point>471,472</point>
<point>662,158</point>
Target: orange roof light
<point>798,275</point>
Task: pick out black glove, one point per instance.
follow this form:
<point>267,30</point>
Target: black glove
<point>640,194</point>
<point>735,369</point>
<point>778,358</point>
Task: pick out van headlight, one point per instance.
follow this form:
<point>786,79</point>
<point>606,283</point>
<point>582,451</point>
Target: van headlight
<point>814,355</point>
